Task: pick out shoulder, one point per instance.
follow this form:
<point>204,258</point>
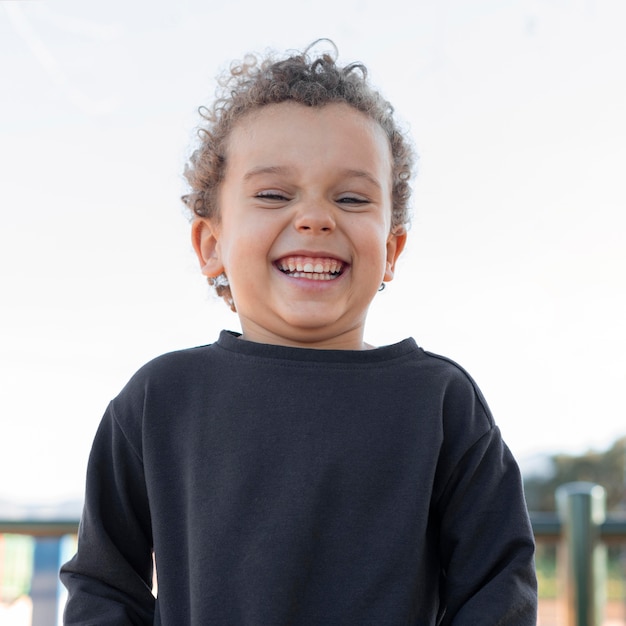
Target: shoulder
<point>176,365</point>
<point>163,388</point>
<point>175,361</point>
<point>445,378</point>
<point>165,377</point>
<point>457,381</point>
<point>463,412</point>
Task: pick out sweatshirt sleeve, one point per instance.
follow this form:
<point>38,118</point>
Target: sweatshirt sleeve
<point>109,580</point>
<point>486,540</point>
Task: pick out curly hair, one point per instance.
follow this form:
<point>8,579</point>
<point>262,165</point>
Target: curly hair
<point>304,78</point>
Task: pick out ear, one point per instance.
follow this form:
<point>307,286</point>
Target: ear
<point>395,245</point>
<point>204,238</point>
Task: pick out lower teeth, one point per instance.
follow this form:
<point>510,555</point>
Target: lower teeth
<point>312,276</point>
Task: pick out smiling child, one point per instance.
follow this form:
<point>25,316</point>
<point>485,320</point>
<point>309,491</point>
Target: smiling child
<point>304,235</point>
<point>295,474</point>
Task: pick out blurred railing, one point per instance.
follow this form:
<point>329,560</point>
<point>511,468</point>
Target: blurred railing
<point>31,553</point>
<point>580,532</point>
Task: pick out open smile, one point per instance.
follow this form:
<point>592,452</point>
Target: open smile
<point>312,268</point>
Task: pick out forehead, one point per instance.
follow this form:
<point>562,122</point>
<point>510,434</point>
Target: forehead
<point>293,132</point>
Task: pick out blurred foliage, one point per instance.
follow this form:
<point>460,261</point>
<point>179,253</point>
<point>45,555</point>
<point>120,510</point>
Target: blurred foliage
<point>606,468</point>
<point>548,577</point>
<point>545,565</point>
<point>16,564</point>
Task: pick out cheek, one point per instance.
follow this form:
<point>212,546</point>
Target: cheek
<point>245,257</point>
<point>373,239</point>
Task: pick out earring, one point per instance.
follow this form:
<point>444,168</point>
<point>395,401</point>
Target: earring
<point>382,286</point>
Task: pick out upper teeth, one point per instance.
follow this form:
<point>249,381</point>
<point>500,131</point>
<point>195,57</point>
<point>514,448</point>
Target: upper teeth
<point>309,265</point>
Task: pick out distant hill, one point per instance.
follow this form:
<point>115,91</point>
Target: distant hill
<point>63,510</point>
<point>536,465</point>
<point>544,475</point>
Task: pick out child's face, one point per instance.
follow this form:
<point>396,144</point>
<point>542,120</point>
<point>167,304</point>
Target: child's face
<point>304,229</point>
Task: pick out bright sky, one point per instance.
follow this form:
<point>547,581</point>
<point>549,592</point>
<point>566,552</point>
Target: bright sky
<point>516,265</point>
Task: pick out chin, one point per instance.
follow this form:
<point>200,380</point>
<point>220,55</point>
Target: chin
<point>311,321</point>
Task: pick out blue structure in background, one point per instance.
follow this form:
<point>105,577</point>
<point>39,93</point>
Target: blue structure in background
<point>44,589</point>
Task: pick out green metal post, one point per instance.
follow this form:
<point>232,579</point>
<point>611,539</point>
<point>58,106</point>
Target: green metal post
<point>582,509</point>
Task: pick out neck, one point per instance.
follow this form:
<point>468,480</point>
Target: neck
<point>352,340</point>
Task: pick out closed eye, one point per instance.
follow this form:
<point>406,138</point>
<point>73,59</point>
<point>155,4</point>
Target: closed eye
<point>271,195</point>
<point>353,200</point>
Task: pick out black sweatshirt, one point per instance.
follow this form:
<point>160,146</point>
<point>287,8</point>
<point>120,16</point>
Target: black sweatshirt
<point>287,486</point>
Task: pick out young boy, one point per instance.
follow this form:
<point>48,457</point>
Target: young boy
<point>296,474</point>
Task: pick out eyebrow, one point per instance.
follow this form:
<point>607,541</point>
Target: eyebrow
<point>281,169</point>
<point>265,169</point>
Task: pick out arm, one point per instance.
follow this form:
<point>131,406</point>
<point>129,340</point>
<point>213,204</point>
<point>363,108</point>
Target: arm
<point>486,541</point>
<point>110,578</point>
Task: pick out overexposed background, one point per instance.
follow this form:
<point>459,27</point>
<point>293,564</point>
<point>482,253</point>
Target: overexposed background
<point>516,264</point>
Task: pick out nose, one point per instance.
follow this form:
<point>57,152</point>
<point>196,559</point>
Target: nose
<point>315,217</point>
